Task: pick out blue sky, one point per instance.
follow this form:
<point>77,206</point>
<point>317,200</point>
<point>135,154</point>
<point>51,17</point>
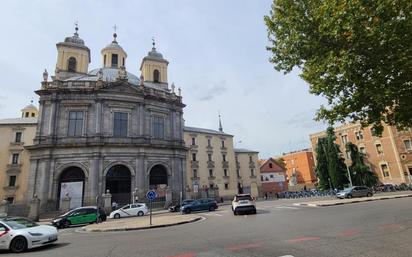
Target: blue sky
<point>217,54</point>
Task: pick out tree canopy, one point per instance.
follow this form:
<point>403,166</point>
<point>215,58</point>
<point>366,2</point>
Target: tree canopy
<point>355,53</point>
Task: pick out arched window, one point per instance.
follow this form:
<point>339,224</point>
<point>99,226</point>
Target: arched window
<point>72,64</point>
<point>156,76</point>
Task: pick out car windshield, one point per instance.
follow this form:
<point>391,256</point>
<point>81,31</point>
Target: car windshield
<point>347,189</point>
<point>243,197</point>
<point>19,223</point>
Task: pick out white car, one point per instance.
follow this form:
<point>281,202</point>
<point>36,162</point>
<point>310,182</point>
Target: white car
<point>135,209</point>
<point>19,234</point>
<point>243,203</point>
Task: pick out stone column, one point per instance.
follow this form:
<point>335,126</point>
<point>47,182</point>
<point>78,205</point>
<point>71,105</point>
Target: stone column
<point>34,208</point>
<point>4,208</point>
<point>107,201</point>
<point>168,197</point>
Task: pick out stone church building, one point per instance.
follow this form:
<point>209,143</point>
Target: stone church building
<point>106,129</point>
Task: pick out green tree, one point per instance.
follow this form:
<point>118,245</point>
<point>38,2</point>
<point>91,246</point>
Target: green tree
<point>321,168</point>
<point>281,162</point>
<point>360,172</point>
<point>355,53</point>
<point>336,164</point>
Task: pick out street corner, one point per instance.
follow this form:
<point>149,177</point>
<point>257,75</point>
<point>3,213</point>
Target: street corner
<point>139,223</point>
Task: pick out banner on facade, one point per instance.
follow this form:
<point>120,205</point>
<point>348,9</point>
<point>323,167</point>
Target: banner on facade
<point>272,177</point>
<point>74,190</point>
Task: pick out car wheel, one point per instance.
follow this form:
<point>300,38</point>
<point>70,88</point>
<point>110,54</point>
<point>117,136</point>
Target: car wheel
<point>234,212</point>
<point>98,220</point>
<point>18,244</point>
<point>187,211</point>
<point>369,194</point>
<point>254,211</point>
<point>116,216</point>
<point>66,224</point>
<point>140,213</point>
<point>211,208</point>
<point>349,196</point>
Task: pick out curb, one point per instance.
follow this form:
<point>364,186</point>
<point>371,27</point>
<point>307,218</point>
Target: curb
<point>356,201</point>
<point>142,228</point>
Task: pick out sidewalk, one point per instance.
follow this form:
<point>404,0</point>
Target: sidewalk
<point>352,200</point>
<point>138,223</point>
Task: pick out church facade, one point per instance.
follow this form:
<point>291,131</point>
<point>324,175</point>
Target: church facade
<point>106,129</point>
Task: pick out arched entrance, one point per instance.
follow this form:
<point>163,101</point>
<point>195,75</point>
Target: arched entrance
<point>158,177</point>
<point>118,181</point>
<point>71,184</point>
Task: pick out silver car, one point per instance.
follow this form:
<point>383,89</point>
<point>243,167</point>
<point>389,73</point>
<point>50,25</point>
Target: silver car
<point>356,191</point>
<point>19,234</point>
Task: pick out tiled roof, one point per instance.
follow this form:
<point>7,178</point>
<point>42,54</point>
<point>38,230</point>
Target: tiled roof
<point>30,120</point>
<point>203,130</point>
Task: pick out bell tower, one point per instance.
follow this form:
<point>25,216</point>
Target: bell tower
<point>113,54</point>
<point>154,67</point>
<point>73,56</point>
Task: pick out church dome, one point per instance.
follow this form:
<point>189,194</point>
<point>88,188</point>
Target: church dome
<point>155,54</point>
<point>111,74</point>
<point>75,39</point>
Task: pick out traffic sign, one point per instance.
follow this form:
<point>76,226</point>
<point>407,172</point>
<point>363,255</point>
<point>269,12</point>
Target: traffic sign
<point>151,195</point>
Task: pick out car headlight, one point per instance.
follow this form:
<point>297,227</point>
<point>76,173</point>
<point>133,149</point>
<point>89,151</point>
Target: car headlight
<point>35,234</point>
<point>57,220</point>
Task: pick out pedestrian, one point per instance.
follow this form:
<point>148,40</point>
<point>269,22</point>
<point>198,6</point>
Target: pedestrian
<point>114,205</point>
<point>266,196</point>
<point>221,199</point>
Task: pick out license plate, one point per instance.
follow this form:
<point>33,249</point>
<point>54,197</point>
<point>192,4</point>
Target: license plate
<point>243,201</point>
<point>52,238</point>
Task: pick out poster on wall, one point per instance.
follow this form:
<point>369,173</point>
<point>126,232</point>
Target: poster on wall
<point>74,190</point>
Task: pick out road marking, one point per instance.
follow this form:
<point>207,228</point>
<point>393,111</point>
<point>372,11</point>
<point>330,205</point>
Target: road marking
<point>243,247</point>
<point>303,239</point>
<point>183,255</point>
<point>286,256</point>
<point>388,226</point>
<point>287,207</point>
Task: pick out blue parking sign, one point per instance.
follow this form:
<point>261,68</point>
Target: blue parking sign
<point>151,195</point>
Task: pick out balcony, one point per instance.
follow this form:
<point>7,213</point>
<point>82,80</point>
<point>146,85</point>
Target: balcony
<point>252,176</point>
<point>14,166</point>
<point>195,164</point>
<point>252,165</point>
<point>223,148</point>
<point>210,164</point>
<point>225,164</point>
<point>226,177</point>
<point>195,178</point>
<point>193,147</point>
<point>209,148</point>
<point>11,189</point>
<point>211,177</point>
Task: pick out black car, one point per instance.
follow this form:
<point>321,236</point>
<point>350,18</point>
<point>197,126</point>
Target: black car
<point>176,207</point>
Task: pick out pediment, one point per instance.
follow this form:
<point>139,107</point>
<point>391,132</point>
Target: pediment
<point>120,87</point>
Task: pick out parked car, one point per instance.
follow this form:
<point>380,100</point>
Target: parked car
<point>19,234</point>
<point>355,191</point>
<point>129,210</point>
<point>243,203</point>
<point>176,207</point>
<point>81,215</point>
<point>200,205</point>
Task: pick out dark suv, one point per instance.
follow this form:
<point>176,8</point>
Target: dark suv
<point>205,204</point>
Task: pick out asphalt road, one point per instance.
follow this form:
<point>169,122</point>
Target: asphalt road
<point>379,228</point>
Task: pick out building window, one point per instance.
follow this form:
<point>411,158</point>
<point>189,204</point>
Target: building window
<point>210,173</point>
<point>195,173</point>
<point>17,138</point>
<point>12,181</point>
<point>250,159</point>
<point>224,157</point>
<point>115,60</point>
<point>344,139</point>
<point>208,142</point>
<point>373,132</point>
<point>158,126</point>
<point>385,170</point>
<point>26,115</point>
<point>156,76</point>
<point>33,114</point>
<point>15,158</point>
<point>262,178</point>
<point>193,157</point>
<point>271,176</point>
<point>212,186</point>
<point>209,157</point>
<point>225,172</point>
<point>193,141</point>
<point>270,165</point>
<point>238,173</point>
<point>407,144</point>
<point>379,148</point>
<point>104,60</point>
<point>71,66</point>
<point>252,172</point>
<point>75,124</point>
<point>223,144</point>
<point>362,150</point>
<point>10,199</point>
<point>120,124</point>
<point>292,161</point>
<point>226,186</point>
<point>124,62</point>
<point>359,135</point>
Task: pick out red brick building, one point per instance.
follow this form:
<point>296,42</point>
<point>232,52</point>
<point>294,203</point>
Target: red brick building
<point>302,164</point>
<point>273,177</point>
